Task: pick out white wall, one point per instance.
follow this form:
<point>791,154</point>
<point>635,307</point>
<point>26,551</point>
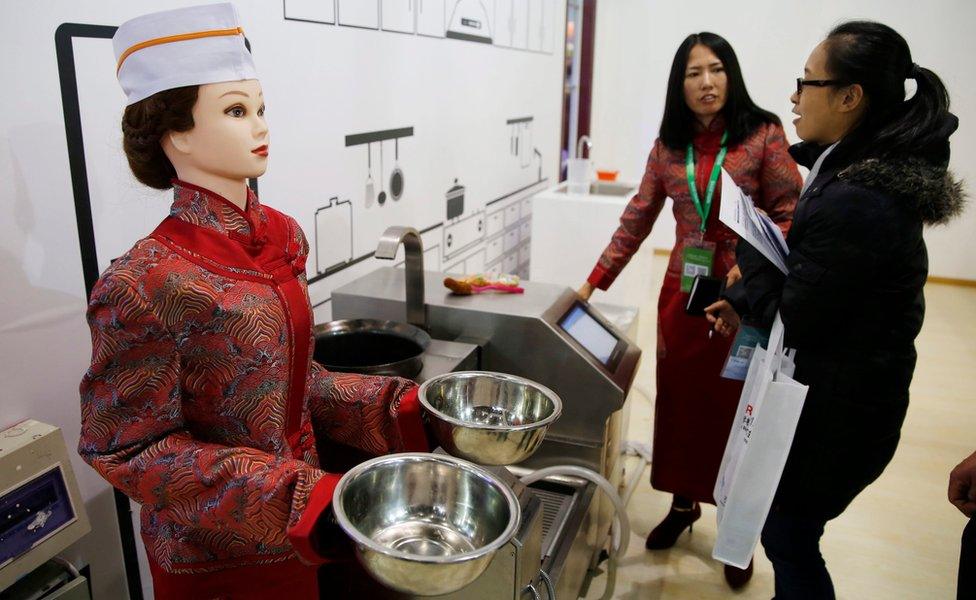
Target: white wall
<point>636,41</point>
<point>322,81</point>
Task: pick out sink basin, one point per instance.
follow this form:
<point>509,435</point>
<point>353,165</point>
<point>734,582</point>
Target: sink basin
<point>603,188</point>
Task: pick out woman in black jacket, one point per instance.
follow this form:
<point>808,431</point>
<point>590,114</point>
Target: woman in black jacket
<point>852,302</point>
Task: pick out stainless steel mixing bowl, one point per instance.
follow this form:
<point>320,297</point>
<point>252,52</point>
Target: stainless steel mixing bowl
<point>425,524</point>
<point>489,418</point>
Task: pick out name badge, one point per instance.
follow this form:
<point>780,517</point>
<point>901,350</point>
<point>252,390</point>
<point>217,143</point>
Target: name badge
<point>740,354</point>
<point>697,258</point>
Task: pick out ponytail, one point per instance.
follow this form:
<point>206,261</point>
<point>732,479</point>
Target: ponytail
<point>877,58</point>
<point>918,123</point>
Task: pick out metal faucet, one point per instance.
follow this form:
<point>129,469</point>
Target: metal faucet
<point>414,247</point>
<point>585,139</point>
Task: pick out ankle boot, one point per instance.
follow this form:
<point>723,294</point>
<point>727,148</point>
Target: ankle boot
<point>667,532</point>
<point>736,577</point>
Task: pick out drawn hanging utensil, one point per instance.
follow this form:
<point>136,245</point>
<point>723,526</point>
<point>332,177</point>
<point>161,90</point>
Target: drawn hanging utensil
<point>396,178</point>
<point>370,188</point>
<point>381,198</point>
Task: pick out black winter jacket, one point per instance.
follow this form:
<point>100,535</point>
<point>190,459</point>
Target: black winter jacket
<point>852,305</point>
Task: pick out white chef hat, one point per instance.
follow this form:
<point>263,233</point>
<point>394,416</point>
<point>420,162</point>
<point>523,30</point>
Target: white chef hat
<point>176,48</point>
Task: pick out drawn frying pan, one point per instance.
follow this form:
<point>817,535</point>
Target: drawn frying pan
<point>396,177</point>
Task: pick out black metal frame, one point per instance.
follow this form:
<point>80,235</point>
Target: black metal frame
<point>63,38</point>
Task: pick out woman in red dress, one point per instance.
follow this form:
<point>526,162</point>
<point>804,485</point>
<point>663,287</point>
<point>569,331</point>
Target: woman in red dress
<point>710,123</point>
<point>202,402</point>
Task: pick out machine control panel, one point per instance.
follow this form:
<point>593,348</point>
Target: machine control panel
<point>594,335</point>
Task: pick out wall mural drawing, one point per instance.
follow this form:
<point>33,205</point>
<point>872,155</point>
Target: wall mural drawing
<point>333,236</point>
<point>455,201</point>
<point>362,14</point>
<point>470,20</point>
<point>335,221</point>
<point>396,177</point>
<point>369,197</point>
<point>311,11</point>
<point>526,25</point>
<point>521,141</point>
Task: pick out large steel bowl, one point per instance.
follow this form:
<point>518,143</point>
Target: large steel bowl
<point>425,524</point>
<point>489,418</point>
<point>370,346</point>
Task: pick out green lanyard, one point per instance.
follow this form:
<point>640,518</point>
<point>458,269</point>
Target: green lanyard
<point>712,181</point>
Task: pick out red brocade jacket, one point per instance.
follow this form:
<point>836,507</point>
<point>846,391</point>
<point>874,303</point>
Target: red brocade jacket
<point>202,402</point>
<point>760,165</point>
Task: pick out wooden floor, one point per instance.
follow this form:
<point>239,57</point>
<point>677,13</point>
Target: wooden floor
<point>900,537</point>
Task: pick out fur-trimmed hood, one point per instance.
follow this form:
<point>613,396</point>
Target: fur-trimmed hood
<point>922,178</point>
<point>937,192</point>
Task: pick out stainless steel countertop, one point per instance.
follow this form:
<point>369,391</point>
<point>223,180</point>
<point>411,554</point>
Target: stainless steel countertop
<point>442,357</point>
<point>387,283</point>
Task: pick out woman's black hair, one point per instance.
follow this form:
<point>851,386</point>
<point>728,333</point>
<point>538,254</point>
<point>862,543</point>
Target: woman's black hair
<point>877,58</point>
<point>741,114</point>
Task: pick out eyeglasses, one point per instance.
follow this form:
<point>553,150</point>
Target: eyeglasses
<point>800,82</point>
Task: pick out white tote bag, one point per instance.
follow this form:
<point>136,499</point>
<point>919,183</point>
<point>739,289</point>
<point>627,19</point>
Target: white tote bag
<point>760,373</point>
<point>756,452</point>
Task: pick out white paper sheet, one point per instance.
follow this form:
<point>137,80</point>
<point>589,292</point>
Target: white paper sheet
<point>740,215</point>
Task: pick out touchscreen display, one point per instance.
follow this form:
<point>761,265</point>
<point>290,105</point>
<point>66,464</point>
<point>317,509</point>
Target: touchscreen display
<point>589,333</point>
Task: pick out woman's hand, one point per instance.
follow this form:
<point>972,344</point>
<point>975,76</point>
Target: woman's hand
<point>585,291</point>
<point>723,317</point>
<point>734,275</point>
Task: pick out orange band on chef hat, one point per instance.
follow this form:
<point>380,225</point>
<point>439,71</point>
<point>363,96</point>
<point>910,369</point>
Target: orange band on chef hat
<point>177,38</point>
<point>194,45</point>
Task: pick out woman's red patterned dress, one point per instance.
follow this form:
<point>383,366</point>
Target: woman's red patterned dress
<point>695,405</point>
<point>203,405</point>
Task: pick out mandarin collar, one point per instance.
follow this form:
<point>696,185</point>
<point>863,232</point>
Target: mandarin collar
<point>709,139</point>
<point>208,209</point>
